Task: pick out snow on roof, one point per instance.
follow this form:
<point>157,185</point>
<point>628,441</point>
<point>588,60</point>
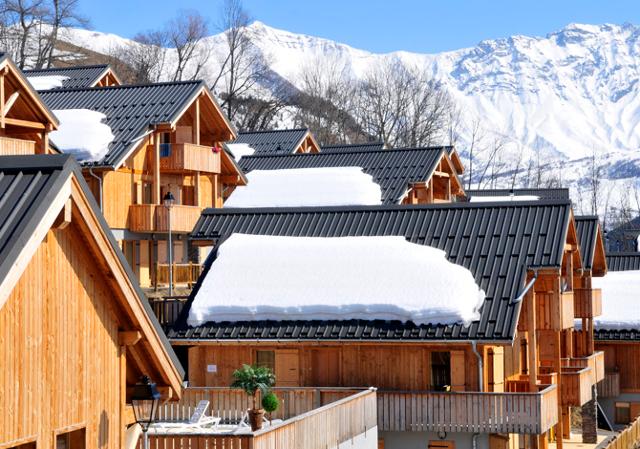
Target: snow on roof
<point>47,82</point>
<point>82,133</point>
<point>620,301</point>
<point>327,186</point>
<point>256,277</point>
<point>240,149</point>
<point>498,199</point>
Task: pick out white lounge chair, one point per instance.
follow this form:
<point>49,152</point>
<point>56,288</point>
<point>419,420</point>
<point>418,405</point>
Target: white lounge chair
<point>197,421</point>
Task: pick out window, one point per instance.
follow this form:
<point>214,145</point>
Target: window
<point>441,445</point>
<point>165,145</point>
<point>71,440</point>
<point>29,445</point>
<point>623,413</point>
<point>441,371</point>
<point>266,359</point>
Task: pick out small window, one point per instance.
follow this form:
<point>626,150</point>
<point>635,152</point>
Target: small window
<point>165,145</point>
<point>441,371</point>
<point>266,359</point>
<point>441,445</point>
<point>30,445</point>
<point>623,413</point>
<point>71,440</point>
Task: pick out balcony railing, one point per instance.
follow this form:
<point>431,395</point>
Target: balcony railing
<point>183,273</point>
<point>610,385</point>
<point>155,218</point>
<point>547,316</point>
<point>189,157</point>
<point>587,302</point>
<point>594,361</point>
<point>17,147</point>
<point>526,413</point>
<point>576,386</point>
<point>167,310</point>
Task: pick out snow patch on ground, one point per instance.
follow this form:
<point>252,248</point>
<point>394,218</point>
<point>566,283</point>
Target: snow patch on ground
<point>620,301</point>
<point>258,277</point>
<point>47,82</point>
<point>240,149</point>
<point>300,187</point>
<point>82,133</point>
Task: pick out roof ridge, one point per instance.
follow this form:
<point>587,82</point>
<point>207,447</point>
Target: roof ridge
<point>73,67</point>
<point>272,131</point>
<point>351,144</point>
<point>36,161</point>
<point>122,86</point>
<point>586,217</point>
<point>623,253</point>
<point>355,150</point>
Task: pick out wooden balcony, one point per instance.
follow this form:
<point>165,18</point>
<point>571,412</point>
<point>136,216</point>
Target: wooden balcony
<point>155,218</point>
<point>568,314</point>
<point>328,426</point>
<point>183,273</point>
<point>587,302</point>
<point>576,386</point>
<point>610,385</point>
<point>594,361</point>
<point>9,146</point>
<point>547,316</point>
<point>189,157</point>
<point>413,411</point>
<point>167,310</point>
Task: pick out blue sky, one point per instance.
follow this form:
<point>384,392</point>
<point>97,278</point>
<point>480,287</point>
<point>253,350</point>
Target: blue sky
<point>424,26</point>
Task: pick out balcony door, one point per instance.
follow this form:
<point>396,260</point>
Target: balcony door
<point>285,364</point>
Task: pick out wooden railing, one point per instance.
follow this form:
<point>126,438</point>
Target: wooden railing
<point>576,386</point>
<point>628,438</point>
<point>190,157</point>
<point>325,427</point>
<point>594,361</point>
<point>567,310</point>
<point>526,413</point>
<point>609,387</point>
<point>587,302</point>
<point>9,146</point>
<point>547,316</point>
<point>155,218</point>
<point>167,310</point>
<point>183,273</point>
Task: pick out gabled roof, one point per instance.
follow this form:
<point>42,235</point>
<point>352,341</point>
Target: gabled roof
<point>131,111</point>
<point>78,76</point>
<point>277,141</point>
<point>498,243</point>
<point>623,261</point>
<point>33,191</point>
<point>543,194</point>
<point>393,170</point>
<point>352,146</point>
<point>591,244</point>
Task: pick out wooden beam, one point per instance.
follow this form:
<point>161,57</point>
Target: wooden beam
<point>2,114</point>
<point>10,102</point>
<point>64,217</point>
<point>441,174</point>
<point>156,168</point>
<point>197,123</point>
<point>166,393</point>
<point>129,338</point>
<point>23,123</point>
<point>229,179</point>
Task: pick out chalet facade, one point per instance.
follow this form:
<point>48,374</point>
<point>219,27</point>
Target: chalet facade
<point>279,141</point>
<point>100,75</point>
<point>168,137</point>
<point>405,176</point>
<point>518,354</point>
<point>76,331</point>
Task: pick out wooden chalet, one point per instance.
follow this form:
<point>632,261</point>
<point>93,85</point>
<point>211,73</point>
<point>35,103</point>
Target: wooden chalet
<point>100,75</point>
<point>405,176</point>
<point>168,138</point>
<point>25,122</point>
<point>75,329</point>
<point>279,141</point>
<point>619,393</point>
<point>513,374</point>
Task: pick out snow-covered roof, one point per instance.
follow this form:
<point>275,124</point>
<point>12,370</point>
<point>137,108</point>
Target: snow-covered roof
<point>620,300</point>
<point>499,199</point>
<point>82,133</point>
<point>374,278</point>
<point>327,186</point>
<point>47,82</point>
<point>240,149</point>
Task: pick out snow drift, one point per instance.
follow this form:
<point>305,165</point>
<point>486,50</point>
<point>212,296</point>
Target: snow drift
<point>240,149</point>
<point>315,278</point>
<point>620,301</point>
<point>47,82</point>
<point>82,133</point>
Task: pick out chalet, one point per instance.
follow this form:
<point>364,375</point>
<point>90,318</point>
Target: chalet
<point>279,141</point>
<point>624,238</point>
<point>617,333</point>
<point>25,122</point>
<point>405,176</point>
<point>455,158</point>
<point>164,138</point>
<point>101,75</point>
<point>512,371</point>
<point>76,331</point>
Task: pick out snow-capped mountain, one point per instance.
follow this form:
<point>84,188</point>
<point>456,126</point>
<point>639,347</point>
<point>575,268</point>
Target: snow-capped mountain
<point>563,96</point>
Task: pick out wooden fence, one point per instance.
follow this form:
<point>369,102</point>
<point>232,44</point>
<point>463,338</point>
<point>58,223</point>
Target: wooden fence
<point>183,273</point>
<point>167,310</point>
<point>9,146</point>
<point>628,438</point>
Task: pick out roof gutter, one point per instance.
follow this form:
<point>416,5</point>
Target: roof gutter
<point>189,341</point>
<point>527,287</point>
<point>474,348</point>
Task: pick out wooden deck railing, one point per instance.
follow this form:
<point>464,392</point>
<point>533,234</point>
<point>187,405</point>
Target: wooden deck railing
<point>327,426</point>
<point>190,157</point>
<point>526,413</point>
<point>183,273</point>
<point>10,146</point>
<point>155,217</point>
<point>167,310</point>
<point>626,439</point>
<point>576,386</point>
<point>594,361</point>
<point>610,385</point>
<point>587,302</point>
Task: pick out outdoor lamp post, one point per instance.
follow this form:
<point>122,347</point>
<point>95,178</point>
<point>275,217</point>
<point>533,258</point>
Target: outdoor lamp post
<point>169,201</point>
<point>145,399</point>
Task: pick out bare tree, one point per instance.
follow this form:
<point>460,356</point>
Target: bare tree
<point>184,34</point>
<point>63,13</point>
<point>145,56</point>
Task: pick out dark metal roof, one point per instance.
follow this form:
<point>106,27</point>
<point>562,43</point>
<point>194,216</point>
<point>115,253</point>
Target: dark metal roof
<point>497,242</point>
<point>393,170</point>
<point>352,146</point>
<point>279,141</point>
<point>616,334</point>
<point>543,194</point>
<point>130,110</point>
<point>623,261</point>
<point>78,76</point>
<point>587,230</point>
<point>28,185</point>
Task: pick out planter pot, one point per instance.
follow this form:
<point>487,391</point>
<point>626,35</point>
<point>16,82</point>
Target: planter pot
<point>256,417</point>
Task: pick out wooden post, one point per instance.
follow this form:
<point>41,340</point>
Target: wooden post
<point>196,188</point>
<point>2,114</point>
<point>557,362</point>
<point>197,122</point>
<point>45,140</point>
<point>532,345</point>
<point>122,358</point>
<point>156,168</point>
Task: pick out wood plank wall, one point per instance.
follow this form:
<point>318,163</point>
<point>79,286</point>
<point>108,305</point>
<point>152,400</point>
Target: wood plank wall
<point>59,349</point>
<point>625,359</point>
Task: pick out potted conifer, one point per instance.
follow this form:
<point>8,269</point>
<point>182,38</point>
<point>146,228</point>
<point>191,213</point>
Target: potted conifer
<point>270,403</point>
<point>254,379</point>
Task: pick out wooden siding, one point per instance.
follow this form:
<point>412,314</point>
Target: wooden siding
<point>609,387</point>
<point>576,386</point>
<point>59,348</point>
<point>594,361</point>
<point>9,146</point>
<point>626,439</point>
<point>587,303</point>
<point>623,358</point>
<point>191,157</point>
